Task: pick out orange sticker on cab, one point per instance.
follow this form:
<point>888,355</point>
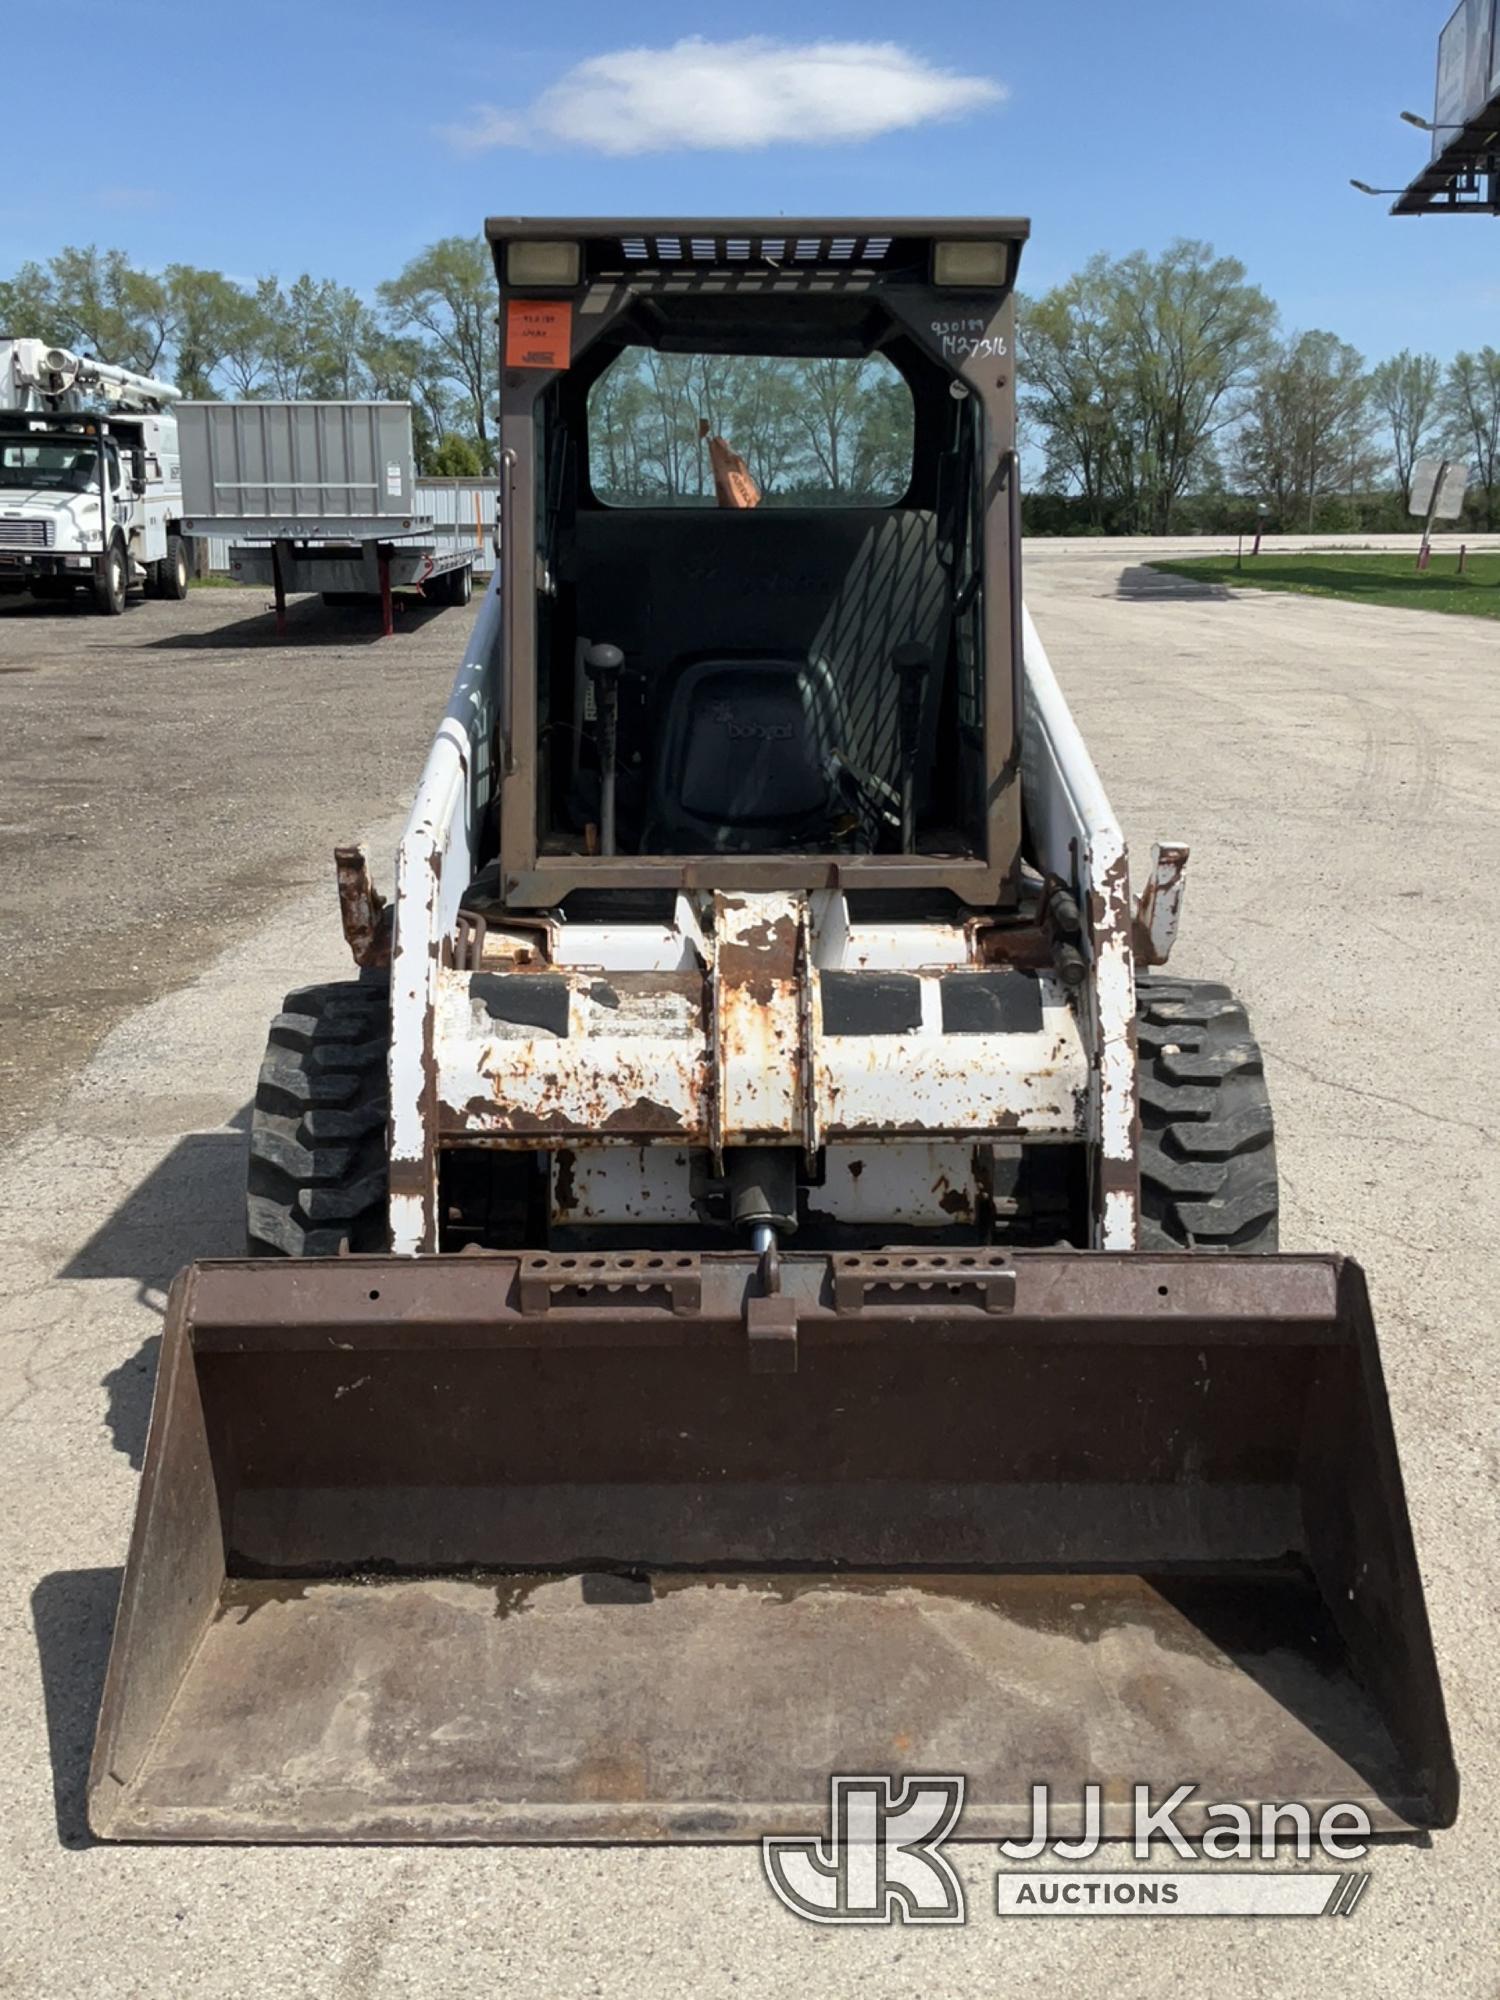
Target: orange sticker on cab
<point>538,333</point>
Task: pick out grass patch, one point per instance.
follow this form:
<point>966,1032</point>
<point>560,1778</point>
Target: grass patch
<point>215,580</point>
<point>1359,579</point>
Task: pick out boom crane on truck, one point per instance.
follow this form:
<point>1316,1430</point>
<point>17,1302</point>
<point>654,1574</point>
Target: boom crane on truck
<point>90,483</point>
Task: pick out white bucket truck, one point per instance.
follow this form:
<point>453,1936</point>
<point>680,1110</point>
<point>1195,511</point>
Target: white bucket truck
<point>90,481</point>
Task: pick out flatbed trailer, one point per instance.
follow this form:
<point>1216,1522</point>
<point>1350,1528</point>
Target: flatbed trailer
<point>318,497</point>
<point>348,568</point>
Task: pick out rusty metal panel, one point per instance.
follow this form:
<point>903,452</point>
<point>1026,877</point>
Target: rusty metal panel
<point>364,913</point>
<point>626,1058</point>
<point>1036,1084</point>
<point>634,1185</point>
<point>903,1183</point>
<point>548,1052</point>
<point>470,1548</point>
<point>1159,911</point>
<point>760,972</point>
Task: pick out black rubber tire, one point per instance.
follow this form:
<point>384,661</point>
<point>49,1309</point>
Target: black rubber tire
<point>460,584</point>
<point>1208,1140</point>
<point>318,1177</point>
<point>109,589</point>
<point>169,577</point>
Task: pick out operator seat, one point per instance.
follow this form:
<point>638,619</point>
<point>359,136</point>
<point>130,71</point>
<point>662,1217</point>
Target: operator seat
<point>750,757</point>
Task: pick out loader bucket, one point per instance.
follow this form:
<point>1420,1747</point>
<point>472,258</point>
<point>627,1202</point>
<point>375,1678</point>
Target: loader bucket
<point>542,1548</point>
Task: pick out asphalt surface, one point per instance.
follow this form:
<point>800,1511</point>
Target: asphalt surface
<point>1334,768</point>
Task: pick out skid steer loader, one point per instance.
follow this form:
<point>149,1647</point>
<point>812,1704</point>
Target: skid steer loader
<point>756,1277</point>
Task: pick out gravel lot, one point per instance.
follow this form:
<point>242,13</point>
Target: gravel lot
<point>167,777</point>
<point>174,781</point>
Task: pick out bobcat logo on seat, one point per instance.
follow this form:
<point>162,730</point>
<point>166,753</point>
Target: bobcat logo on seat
<point>744,732</point>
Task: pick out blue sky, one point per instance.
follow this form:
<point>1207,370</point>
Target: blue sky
<point>317,134</point>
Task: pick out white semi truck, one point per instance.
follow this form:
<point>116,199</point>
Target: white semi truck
<point>90,480</point>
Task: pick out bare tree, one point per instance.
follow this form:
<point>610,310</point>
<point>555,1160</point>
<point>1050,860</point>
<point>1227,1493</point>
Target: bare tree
<point>1471,409</point>
<point>1406,390</point>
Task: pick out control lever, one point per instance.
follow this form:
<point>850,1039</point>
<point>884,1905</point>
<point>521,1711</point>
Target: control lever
<point>602,664</point>
<point>913,663</point>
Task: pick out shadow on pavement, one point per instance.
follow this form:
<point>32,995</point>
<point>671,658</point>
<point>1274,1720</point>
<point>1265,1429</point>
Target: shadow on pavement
<point>73,1613</point>
<point>310,622</point>
<point>192,1205</point>
<point>1142,584</point>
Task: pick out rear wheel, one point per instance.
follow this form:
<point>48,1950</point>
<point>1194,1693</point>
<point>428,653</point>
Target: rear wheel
<point>1208,1143</point>
<point>111,582</point>
<point>170,575</point>
<point>317,1178</point>
<point>460,584</point>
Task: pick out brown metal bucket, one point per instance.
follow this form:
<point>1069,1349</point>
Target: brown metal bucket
<point>445,1549</point>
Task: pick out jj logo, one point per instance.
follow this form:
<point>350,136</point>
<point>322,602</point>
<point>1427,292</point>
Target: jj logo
<point>881,1862</point>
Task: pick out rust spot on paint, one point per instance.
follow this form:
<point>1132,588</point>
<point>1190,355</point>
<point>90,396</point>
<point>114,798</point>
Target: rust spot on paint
<point>645,1115</point>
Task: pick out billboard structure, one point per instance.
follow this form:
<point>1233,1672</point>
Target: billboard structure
<point>1463,174</point>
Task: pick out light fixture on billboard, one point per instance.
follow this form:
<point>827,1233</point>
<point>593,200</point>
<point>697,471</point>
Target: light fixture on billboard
<point>1426,124</point>
<point>1365,188</point>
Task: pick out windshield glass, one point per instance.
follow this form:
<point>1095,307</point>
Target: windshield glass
<point>714,430</point>
<point>64,465</point>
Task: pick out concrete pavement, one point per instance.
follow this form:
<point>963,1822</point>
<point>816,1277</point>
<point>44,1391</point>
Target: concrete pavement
<point>1334,768</point>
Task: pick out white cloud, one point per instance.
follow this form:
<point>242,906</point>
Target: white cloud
<point>703,96</point>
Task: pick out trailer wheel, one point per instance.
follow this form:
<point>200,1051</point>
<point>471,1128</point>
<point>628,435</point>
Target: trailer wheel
<point>317,1176</point>
<point>461,585</point>
<point>110,586</point>
<point>1208,1140</point>
<point>170,575</point>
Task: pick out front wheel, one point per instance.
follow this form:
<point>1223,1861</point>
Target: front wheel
<point>317,1170</point>
<point>110,582</point>
<point>1208,1140</point>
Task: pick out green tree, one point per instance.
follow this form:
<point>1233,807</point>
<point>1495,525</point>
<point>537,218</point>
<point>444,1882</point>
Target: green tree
<point>1134,368</point>
<point>448,296</point>
<point>1306,435</point>
<point>210,314</point>
<point>312,335</point>
<point>97,302</point>
<point>29,309</point>
<point>1076,401</point>
<point>1193,331</point>
<point>455,457</point>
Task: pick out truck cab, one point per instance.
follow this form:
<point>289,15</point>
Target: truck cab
<point>90,482</point>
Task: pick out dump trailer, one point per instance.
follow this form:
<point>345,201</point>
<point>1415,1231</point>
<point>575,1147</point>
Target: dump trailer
<point>760,1274</point>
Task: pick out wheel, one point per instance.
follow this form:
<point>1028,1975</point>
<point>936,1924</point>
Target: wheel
<point>109,589</point>
<point>460,585</point>
<point>1208,1140</point>
<point>169,577</point>
<point>317,1176</point>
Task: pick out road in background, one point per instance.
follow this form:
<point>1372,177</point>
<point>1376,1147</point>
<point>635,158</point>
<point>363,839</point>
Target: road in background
<point>1333,767</point>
